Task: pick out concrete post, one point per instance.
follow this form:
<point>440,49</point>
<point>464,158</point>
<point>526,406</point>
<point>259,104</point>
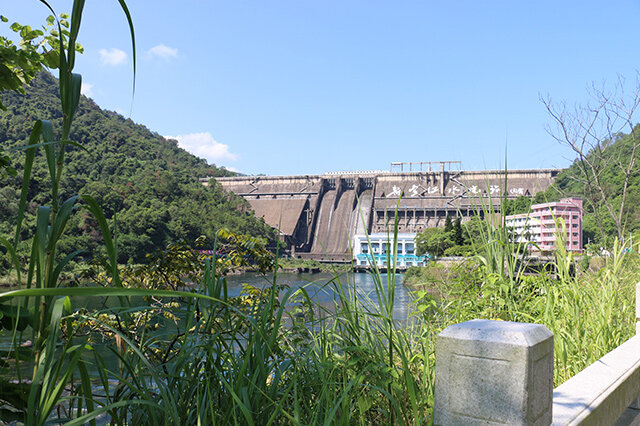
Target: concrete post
<point>494,372</point>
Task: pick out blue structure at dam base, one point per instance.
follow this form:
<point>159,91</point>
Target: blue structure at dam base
<point>378,249</point>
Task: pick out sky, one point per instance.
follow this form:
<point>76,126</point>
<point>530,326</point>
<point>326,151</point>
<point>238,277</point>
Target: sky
<point>307,87</point>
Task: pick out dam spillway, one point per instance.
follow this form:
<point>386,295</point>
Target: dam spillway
<point>318,215</point>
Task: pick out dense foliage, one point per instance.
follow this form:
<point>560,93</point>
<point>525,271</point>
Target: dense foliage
<point>455,239</point>
<point>145,181</point>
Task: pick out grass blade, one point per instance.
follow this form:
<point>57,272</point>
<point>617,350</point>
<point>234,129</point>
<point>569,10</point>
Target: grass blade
<point>26,177</point>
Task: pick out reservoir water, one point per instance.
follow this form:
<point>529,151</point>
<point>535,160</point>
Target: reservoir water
<point>320,287</point>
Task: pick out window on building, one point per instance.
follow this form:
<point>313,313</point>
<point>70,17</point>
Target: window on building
<point>364,248</point>
<point>409,248</point>
<point>575,217</point>
<point>575,234</point>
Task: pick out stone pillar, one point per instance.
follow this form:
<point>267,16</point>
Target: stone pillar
<point>494,372</point>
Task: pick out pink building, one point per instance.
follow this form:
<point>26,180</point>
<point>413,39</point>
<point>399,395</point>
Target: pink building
<point>539,226</point>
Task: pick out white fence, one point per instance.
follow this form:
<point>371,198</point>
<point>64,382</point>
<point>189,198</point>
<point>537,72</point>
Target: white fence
<point>498,372</point>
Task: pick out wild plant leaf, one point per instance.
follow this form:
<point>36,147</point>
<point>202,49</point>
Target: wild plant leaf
<point>14,258</point>
<point>63,263</point>
<point>42,233</point>
<point>49,149</point>
<point>125,9</point>
<point>26,177</point>
<point>110,246</point>
<point>45,373</point>
<point>61,220</point>
<point>76,17</point>
<point>76,85</point>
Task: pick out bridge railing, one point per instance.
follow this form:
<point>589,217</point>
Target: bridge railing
<point>498,372</point>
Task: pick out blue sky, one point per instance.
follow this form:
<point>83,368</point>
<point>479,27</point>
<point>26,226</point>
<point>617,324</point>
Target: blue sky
<point>302,87</point>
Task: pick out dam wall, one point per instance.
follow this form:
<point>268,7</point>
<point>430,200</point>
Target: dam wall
<point>318,215</point>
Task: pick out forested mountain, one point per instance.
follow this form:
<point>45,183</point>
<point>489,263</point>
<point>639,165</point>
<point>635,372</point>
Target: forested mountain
<point>599,180</point>
<point>146,181</point>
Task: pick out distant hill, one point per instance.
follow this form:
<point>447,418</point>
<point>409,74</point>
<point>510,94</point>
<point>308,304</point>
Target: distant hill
<point>148,182</point>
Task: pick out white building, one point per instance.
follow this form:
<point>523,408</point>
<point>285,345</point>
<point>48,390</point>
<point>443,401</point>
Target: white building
<point>378,248</point>
<point>525,228</point>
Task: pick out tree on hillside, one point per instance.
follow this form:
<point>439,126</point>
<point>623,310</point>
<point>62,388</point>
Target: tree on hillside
<point>448,224</point>
<point>144,181</point>
<point>591,131</point>
<point>519,205</point>
<point>434,241</point>
<point>458,234</point>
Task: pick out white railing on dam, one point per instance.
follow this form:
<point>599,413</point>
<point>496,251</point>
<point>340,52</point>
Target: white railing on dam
<point>499,372</point>
<point>355,172</point>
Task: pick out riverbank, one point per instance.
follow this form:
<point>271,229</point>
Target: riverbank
<point>439,274</point>
<point>291,265</point>
<point>286,265</point>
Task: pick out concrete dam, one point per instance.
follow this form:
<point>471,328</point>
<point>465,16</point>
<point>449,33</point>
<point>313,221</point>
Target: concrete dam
<point>319,215</point>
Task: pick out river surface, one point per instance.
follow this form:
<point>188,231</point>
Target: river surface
<point>320,287</point>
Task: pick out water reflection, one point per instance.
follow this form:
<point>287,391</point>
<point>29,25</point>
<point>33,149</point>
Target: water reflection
<point>320,287</point>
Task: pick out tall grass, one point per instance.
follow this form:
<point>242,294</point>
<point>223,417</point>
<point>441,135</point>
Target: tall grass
<point>284,359</point>
<point>41,315</point>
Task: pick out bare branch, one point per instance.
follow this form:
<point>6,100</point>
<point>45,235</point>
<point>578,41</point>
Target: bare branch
<point>590,131</point>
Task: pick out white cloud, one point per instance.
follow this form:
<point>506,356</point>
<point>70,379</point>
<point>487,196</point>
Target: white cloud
<point>86,89</point>
<point>205,146</point>
<point>112,56</point>
<point>162,51</point>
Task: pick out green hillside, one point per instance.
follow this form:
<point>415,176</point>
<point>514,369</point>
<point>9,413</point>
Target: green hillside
<point>611,161</point>
<point>146,181</point>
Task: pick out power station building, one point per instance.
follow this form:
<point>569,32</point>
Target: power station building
<point>378,249</point>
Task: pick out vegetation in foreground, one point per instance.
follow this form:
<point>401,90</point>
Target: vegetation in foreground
<point>271,356</point>
<point>274,356</point>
